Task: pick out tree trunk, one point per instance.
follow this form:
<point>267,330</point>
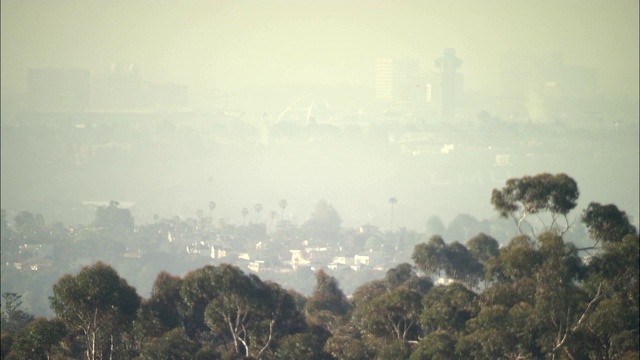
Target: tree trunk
<point>93,345</point>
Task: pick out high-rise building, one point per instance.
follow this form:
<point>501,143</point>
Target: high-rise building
<point>384,79</point>
<point>400,81</point>
<point>536,83</point>
<point>58,89</point>
<point>123,88</point>
<point>523,71</point>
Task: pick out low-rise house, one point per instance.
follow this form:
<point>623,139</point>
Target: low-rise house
<point>260,266</point>
<point>38,263</point>
<point>220,251</point>
<point>298,258</point>
<point>343,259</point>
<point>337,266</point>
<point>444,281</point>
<point>132,253</point>
<point>371,258</point>
<point>36,250</point>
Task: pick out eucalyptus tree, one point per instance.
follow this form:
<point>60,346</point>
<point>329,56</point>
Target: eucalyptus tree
<point>393,315</point>
<point>430,257</point>
<point>454,259</point>
<point>172,345</point>
<point>606,223</point>
<point>613,277</point>
<point>41,339</point>
<point>483,247</point>
<point>522,198</point>
<point>448,308</point>
<point>99,305</point>
<point>461,266</point>
<point>163,311</point>
<point>248,314</point>
<point>327,305</point>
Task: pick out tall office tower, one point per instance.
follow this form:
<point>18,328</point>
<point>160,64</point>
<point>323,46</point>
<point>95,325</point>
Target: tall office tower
<point>58,89</point>
<point>384,79</point>
<point>399,81</point>
<point>447,65</point>
<point>526,71</point>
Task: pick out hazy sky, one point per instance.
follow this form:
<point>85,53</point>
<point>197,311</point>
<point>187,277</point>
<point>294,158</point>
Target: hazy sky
<point>232,44</point>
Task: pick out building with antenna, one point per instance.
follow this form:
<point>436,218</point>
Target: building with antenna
<point>451,81</point>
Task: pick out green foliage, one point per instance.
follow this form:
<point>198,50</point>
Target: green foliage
<point>454,259</point>
<point>114,219</point>
<point>448,308</point>
<point>394,351</point>
<point>395,314</point>
<point>606,223</point>
<point>483,247</point>
<point>307,345</point>
<point>97,303</point>
<point>463,226</point>
<point>163,311</point>
<point>39,340</point>
<point>519,259</point>
<point>430,257</point>
<point>438,345</point>
<point>556,194</point>
<point>327,305</point>
<point>539,300</point>
<point>248,313</point>
<point>347,347</point>
<point>14,318</point>
<point>398,275</point>
<point>460,265</point>
<point>6,342</point>
<point>368,291</point>
<point>491,335</point>
<point>324,222</point>
<point>173,345</point>
<point>30,228</point>
<point>435,226</point>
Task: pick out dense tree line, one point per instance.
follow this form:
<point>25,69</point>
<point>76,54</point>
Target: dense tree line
<point>539,296</point>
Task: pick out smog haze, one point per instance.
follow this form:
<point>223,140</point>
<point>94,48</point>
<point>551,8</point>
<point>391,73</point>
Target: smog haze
<point>236,124</point>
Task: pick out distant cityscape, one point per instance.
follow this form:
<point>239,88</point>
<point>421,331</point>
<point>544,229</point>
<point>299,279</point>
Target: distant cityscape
<point>75,140</point>
<point>534,85</point>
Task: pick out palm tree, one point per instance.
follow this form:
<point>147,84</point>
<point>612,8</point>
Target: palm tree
<point>283,205</point>
<point>212,206</point>
<point>272,216</point>
<point>258,209</point>
<point>392,201</point>
<point>244,212</point>
<point>202,221</point>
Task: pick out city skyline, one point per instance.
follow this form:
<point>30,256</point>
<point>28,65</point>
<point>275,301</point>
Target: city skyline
<point>237,45</point>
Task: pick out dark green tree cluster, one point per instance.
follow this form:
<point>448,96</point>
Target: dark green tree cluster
<point>541,297</point>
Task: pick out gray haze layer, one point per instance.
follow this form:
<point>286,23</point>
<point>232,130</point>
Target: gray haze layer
<point>258,57</point>
<point>252,102</point>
